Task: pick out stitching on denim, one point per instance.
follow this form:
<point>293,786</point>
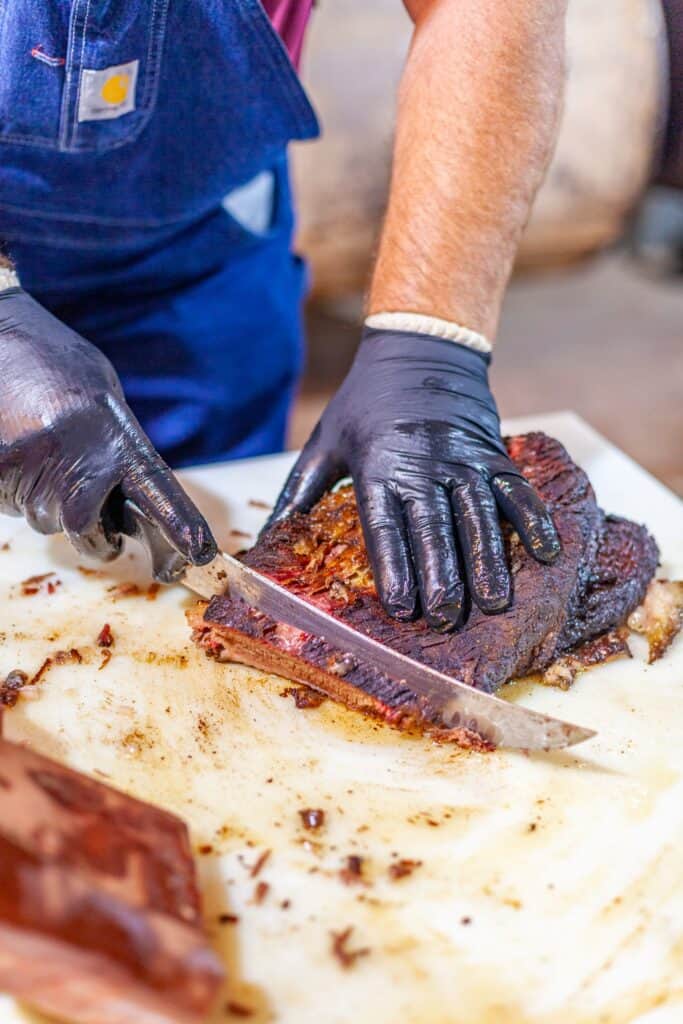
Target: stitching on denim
<point>4,14</point>
<point>73,112</point>
<point>68,78</point>
<point>45,58</point>
<point>59,240</point>
<point>39,141</point>
<point>157,36</point>
<point>113,222</point>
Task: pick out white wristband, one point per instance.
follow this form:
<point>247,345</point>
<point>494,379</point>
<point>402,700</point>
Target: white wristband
<point>8,279</point>
<point>418,323</point>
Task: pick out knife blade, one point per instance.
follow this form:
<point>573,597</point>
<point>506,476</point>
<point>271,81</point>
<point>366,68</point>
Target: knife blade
<point>456,704</point>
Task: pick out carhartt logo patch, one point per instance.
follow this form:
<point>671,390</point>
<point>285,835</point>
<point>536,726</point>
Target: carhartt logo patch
<point>108,93</point>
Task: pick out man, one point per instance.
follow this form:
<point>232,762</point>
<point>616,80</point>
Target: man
<point>133,137</point>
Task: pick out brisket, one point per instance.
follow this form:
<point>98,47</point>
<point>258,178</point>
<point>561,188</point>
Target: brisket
<point>99,907</point>
<point>600,576</point>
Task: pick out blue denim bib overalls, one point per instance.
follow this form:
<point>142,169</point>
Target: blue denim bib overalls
<point>123,125</point>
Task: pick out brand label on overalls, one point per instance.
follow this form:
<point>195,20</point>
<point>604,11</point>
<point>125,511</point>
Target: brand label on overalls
<point>108,93</point>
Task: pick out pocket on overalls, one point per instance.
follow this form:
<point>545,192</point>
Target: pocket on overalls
<point>33,45</point>
<point>261,210</point>
<point>76,75</point>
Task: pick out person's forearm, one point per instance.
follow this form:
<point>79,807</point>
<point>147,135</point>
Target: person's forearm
<point>478,112</point>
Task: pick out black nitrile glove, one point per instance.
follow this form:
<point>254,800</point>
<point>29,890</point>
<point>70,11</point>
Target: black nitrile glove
<point>72,455</point>
<point>416,426</point>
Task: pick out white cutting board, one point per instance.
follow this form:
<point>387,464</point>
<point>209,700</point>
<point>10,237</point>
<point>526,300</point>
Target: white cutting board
<point>551,888</point>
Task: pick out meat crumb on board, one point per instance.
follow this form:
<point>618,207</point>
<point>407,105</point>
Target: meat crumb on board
<point>228,918</point>
<point>105,640</point>
<point>11,686</point>
<point>258,864</point>
<point>120,590</point>
<point>106,658</point>
<point>45,583</point>
<point>261,890</point>
<point>403,868</point>
<point>346,957</point>
<point>312,817</point>
<point>17,680</point>
<point>105,637</point>
<point>234,1009</point>
<point>152,591</point>
<point>352,872</point>
<point>72,656</point>
<point>257,503</point>
<point>304,696</point>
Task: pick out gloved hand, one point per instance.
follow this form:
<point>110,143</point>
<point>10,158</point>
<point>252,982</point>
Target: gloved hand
<point>416,426</point>
<point>72,455</point>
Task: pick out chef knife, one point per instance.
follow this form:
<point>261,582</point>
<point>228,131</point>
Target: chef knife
<point>453,703</point>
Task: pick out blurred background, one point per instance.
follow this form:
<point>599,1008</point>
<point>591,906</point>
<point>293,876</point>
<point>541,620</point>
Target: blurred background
<point>593,319</point>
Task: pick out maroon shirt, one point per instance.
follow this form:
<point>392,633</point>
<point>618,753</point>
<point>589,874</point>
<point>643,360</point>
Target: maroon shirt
<point>289,18</point>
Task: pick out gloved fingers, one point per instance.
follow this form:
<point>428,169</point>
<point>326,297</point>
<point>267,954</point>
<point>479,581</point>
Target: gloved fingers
<point>386,540</point>
<point>41,510</point>
<point>432,540</point>
<point>10,489</point>
<point>27,483</point>
<point>168,564</point>
<point>95,543</point>
<point>313,473</point>
<point>481,543</point>
<point>523,508</point>
<point>87,534</point>
<point>83,511</point>
<point>171,520</point>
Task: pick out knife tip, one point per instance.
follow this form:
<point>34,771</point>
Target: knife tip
<point>568,736</point>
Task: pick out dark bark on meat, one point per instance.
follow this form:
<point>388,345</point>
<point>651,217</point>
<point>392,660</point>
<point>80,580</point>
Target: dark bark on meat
<point>99,908</point>
<point>600,576</point>
<point>600,649</point>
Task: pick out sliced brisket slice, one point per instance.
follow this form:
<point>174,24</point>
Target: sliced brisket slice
<point>99,907</point>
<point>600,576</point>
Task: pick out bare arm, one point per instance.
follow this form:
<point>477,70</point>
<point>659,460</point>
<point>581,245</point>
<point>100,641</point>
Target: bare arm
<point>415,422</point>
<point>478,111</point>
